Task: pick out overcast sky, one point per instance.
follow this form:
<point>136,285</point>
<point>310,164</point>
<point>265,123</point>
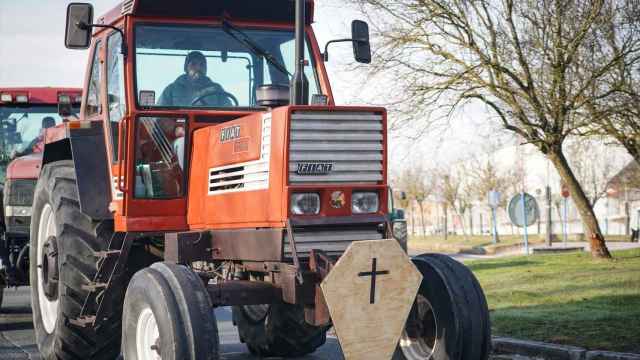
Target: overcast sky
<point>32,53</point>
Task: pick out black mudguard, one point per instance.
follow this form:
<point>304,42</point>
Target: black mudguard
<point>86,147</point>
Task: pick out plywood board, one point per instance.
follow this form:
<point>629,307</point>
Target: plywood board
<point>369,293</point>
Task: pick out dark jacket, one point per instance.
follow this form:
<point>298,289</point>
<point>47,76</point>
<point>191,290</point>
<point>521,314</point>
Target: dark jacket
<point>183,91</point>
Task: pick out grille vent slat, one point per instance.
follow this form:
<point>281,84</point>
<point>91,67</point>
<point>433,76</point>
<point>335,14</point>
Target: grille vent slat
<point>351,141</point>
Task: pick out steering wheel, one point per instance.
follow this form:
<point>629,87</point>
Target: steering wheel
<point>211,91</point>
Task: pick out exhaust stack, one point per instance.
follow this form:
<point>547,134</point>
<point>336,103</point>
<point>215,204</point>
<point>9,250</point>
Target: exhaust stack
<point>299,83</point>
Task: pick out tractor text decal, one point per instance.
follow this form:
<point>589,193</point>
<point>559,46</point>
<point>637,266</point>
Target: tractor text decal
<point>230,133</point>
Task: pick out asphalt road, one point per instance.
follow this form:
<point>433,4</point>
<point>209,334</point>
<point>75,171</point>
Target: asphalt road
<point>17,340</point>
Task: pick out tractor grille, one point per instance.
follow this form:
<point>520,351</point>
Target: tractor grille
<point>332,240</point>
<point>348,146</point>
<point>19,192</point>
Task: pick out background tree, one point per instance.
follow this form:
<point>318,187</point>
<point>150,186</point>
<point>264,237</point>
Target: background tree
<point>417,184</point>
<point>455,192</point>
<point>594,165</point>
<point>524,60</point>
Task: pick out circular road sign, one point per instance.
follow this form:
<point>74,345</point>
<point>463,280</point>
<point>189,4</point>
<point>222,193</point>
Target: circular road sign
<point>532,212</point>
<point>565,190</point>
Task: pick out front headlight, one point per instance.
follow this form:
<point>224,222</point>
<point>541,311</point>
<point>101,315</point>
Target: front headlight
<point>364,202</point>
<point>305,204</point>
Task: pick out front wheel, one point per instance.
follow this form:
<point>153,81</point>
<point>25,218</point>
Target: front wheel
<point>168,315</point>
<point>449,319</point>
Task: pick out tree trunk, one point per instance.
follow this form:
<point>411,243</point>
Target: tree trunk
<point>598,246</point>
<point>446,224</point>
<point>424,231</point>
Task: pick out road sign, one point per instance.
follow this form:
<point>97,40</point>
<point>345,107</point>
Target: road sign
<point>494,199</point>
<point>565,190</point>
<point>369,293</point>
<point>531,210</point>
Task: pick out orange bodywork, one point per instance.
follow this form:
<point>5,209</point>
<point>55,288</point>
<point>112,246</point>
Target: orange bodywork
<point>263,207</point>
<point>267,207</point>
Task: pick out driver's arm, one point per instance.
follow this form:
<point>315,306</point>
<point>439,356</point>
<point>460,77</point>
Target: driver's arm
<point>166,99</point>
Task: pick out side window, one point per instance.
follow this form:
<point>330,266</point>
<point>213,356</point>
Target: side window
<point>93,96</point>
<point>115,88</point>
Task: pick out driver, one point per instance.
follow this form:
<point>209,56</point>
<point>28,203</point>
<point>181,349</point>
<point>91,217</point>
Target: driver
<point>188,86</point>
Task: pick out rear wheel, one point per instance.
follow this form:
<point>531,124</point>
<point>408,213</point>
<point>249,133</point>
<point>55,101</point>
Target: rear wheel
<point>277,330</point>
<point>63,262</point>
<point>168,315</point>
<point>449,319</point>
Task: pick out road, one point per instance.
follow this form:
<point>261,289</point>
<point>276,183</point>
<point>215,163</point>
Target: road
<point>17,340</point>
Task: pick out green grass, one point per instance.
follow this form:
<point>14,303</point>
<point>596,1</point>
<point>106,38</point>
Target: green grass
<point>566,299</point>
<point>475,240</point>
<point>485,240</point>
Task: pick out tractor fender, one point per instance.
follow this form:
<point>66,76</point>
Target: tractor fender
<point>86,148</point>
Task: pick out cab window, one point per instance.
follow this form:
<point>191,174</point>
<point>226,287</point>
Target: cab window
<point>93,93</point>
<point>115,88</point>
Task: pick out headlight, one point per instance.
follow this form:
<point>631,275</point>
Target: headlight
<point>364,202</point>
<point>305,204</point>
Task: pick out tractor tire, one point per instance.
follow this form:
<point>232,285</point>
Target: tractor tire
<point>168,315</point>
<point>277,330</point>
<point>450,318</point>
<point>56,214</point>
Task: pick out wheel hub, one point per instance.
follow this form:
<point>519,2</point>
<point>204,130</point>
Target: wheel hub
<point>419,339</point>
<point>50,274</point>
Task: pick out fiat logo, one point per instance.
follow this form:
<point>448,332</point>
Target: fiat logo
<point>337,199</point>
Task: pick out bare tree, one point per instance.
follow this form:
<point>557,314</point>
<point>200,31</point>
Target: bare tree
<point>418,186</point>
<point>455,192</point>
<point>525,60</point>
<point>594,164</point>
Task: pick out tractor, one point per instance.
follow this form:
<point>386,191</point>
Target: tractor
<point>24,115</point>
<point>210,167</point>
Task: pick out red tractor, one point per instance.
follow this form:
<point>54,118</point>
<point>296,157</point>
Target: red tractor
<point>25,114</point>
<point>210,166</point>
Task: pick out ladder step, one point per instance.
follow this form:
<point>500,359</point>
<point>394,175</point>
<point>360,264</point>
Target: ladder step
<point>94,286</point>
<point>107,254</point>
<point>83,321</point>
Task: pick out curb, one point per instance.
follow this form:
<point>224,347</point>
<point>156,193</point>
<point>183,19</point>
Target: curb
<point>502,345</point>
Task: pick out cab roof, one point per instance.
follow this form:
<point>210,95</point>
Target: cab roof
<point>278,11</point>
<point>40,95</point>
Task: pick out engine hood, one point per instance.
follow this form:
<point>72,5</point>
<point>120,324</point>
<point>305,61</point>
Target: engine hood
<point>25,167</point>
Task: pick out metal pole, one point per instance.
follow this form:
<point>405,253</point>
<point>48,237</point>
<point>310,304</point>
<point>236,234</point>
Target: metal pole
<point>524,224</point>
<point>494,226</point>
<point>549,217</point>
<point>565,224</point>
<point>299,84</point>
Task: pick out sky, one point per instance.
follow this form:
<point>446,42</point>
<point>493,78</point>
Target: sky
<point>32,53</point>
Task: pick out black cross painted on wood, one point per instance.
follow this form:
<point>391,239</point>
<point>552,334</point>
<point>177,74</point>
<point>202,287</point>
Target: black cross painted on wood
<point>373,273</point>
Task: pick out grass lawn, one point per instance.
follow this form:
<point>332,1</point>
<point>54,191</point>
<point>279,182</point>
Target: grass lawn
<point>476,240</point>
<point>565,299</point>
<point>484,240</point>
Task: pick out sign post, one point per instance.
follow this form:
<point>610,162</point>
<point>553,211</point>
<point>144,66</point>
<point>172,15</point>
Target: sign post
<point>524,212</point>
<point>494,202</point>
<point>524,228</point>
<point>565,221</point>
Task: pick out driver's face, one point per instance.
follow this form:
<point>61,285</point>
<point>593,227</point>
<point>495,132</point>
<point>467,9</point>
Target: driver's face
<point>195,69</point>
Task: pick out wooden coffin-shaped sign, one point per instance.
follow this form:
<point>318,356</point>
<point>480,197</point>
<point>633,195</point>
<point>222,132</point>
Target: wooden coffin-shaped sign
<point>369,293</point>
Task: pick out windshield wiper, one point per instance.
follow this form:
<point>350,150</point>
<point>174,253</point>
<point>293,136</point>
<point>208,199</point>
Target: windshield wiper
<point>244,39</point>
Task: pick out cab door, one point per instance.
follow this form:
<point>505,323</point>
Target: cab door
<point>146,153</point>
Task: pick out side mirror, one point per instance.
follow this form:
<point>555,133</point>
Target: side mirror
<point>78,30</point>
<point>361,45</point>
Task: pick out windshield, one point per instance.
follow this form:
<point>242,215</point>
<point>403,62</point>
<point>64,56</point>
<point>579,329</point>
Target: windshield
<point>201,66</point>
<point>21,129</point>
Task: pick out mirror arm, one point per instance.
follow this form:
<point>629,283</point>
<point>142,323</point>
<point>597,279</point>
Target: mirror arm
<point>325,55</point>
<point>123,45</point>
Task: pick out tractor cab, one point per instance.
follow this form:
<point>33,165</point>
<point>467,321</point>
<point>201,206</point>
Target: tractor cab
<point>25,116</point>
<point>159,74</point>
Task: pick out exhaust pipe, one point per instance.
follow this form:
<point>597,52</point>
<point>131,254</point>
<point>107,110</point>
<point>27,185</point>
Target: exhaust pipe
<point>299,83</point>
